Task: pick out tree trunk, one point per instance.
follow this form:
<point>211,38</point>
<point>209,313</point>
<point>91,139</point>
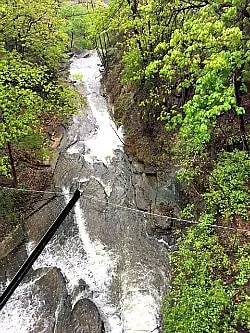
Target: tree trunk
<point>241,117</point>
<point>243,133</point>
<point>12,164</point>
<point>133,7</point>
<point>72,40</point>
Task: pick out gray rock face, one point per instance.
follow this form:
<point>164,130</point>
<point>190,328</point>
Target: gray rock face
<point>145,190</point>
<point>169,191</point>
<point>40,222</point>
<point>85,318</point>
<point>156,193</point>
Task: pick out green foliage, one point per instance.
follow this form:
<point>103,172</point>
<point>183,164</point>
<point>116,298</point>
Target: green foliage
<point>9,212</point>
<point>188,212</point>
<point>188,173</point>
<point>76,25</point>
<point>198,300</point>
<point>228,192</point>
<point>30,88</point>
<point>4,165</point>
<point>170,48</point>
<point>204,54</point>
<point>243,266</point>
<point>242,313</point>
<point>133,64</point>
<point>210,290</point>
<point>201,299</point>
<point>33,29</point>
<point>110,19</point>
<point>208,102</point>
<point>20,104</point>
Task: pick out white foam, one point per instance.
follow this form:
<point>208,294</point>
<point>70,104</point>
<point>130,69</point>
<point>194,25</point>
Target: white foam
<point>139,311</point>
<point>67,258</point>
<point>22,310</point>
<point>106,139</point>
<point>140,303</point>
<point>98,272</point>
<point>103,142</point>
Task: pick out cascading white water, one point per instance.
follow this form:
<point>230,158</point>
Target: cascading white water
<point>21,312</point>
<point>105,139</point>
<point>124,278</point>
<point>139,307</point>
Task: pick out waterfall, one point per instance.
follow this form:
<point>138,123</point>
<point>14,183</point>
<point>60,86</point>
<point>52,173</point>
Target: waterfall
<point>103,246</point>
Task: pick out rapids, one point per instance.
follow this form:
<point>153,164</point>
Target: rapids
<point>102,251</point>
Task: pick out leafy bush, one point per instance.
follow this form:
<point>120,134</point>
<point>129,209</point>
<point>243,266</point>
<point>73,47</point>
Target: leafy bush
<point>8,206</point>
<point>202,297</point>
<point>228,192</point>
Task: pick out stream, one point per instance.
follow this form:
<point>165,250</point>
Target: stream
<point>102,263</point>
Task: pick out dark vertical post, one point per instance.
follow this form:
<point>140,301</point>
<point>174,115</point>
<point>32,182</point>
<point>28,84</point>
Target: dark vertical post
<point>237,84</point>
<point>72,41</point>
<point>37,251</point>
<point>12,164</point>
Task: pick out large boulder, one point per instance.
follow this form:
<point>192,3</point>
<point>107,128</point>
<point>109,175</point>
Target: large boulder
<point>50,289</point>
<point>86,318</point>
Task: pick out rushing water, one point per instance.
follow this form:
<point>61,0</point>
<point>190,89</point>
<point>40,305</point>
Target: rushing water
<point>104,245</point>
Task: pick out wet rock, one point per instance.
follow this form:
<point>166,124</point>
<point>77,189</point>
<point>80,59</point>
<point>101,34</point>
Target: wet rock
<point>11,241</point>
<point>140,168</point>
<point>145,191</point>
<point>159,226</point>
<point>12,253</point>
<point>39,223</point>
<point>137,167</point>
<point>86,318</point>
<point>83,285</point>
<point>55,313</point>
<point>159,194</point>
<point>81,289</point>
<point>168,192</point>
<point>150,170</point>
<point>10,264</point>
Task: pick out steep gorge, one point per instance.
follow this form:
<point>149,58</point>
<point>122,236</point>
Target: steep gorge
<point>105,269</point>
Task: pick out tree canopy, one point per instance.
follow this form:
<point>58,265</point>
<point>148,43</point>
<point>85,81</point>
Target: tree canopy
<point>32,46</point>
<point>194,51</point>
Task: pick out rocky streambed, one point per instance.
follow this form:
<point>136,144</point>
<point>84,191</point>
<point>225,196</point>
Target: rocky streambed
<point>107,268</point>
